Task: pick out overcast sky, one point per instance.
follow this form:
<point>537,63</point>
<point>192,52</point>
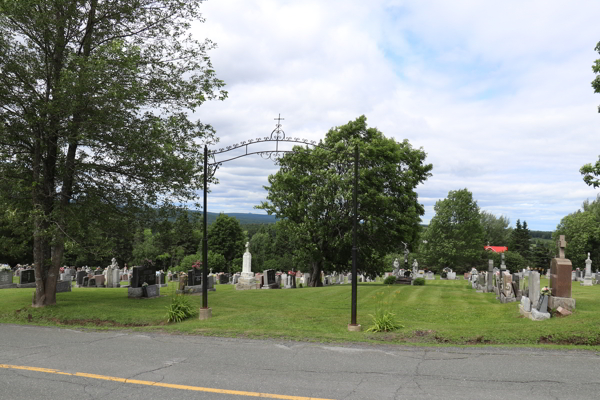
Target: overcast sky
<point>497,93</point>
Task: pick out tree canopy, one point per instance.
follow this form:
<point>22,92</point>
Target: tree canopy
<point>519,240</point>
<point>496,229</point>
<point>455,236</point>
<point>313,192</point>
<point>226,237</point>
<point>94,98</point>
<point>590,171</point>
<point>582,233</point>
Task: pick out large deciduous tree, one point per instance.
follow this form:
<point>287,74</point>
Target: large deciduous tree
<point>94,96</point>
<point>496,229</point>
<point>455,236</point>
<point>590,171</point>
<point>313,191</point>
<point>582,232</point>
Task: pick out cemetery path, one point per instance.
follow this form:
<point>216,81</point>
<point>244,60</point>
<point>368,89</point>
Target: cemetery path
<point>52,363</point>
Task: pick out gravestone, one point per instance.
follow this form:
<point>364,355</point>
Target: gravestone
<point>27,276</point>
<point>587,279</point>
<point>194,277</point>
<point>246,281</point>
<point>560,272</point>
<point>99,279</point>
<point>516,282</point>
<point>489,276</point>
<point>269,280</point>
<point>63,286</point>
<point>306,279</point>
<point>27,279</point>
<point>6,278</point>
<point>162,279</point>
<point>223,279</point>
<point>141,275</point>
<point>543,304</point>
<point>534,288</point>
<point>152,291</point>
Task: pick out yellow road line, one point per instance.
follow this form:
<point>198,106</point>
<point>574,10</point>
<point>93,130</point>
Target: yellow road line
<point>160,384</point>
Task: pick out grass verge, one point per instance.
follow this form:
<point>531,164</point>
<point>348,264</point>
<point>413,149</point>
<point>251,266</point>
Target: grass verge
<point>439,313</point>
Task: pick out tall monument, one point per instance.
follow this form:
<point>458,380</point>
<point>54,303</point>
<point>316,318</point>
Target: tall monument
<point>247,280</point>
<point>560,278</point>
<point>587,279</point>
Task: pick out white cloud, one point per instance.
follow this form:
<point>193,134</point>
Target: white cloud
<point>497,94</point>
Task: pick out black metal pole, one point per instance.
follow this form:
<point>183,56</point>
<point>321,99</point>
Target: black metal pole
<point>204,238</point>
<point>354,250</point>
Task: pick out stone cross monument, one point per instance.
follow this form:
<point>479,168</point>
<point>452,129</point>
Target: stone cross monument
<point>561,243</point>
<point>560,279</point>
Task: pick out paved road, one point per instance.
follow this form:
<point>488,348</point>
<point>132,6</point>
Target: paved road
<point>51,363</point>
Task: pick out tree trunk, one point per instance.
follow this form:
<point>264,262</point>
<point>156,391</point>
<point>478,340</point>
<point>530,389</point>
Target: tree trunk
<point>315,278</point>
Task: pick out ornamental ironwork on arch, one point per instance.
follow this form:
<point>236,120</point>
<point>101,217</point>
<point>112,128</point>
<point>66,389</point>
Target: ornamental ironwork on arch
<point>277,136</point>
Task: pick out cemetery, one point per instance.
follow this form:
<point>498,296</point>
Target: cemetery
<point>467,310</point>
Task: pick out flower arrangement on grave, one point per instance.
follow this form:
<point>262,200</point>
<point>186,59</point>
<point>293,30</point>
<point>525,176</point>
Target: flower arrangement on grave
<point>197,264</point>
<point>292,273</point>
<point>144,284</point>
<point>545,291</point>
<point>4,268</point>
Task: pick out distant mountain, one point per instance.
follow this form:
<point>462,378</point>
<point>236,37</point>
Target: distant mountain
<point>244,218</point>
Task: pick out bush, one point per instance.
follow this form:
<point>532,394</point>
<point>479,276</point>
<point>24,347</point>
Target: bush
<point>419,282</point>
<point>179,309</point>
<point>383,321</point>
<point>390,280</point>
<point>299,285</point>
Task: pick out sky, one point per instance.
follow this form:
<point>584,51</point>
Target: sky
<point>497,93</point>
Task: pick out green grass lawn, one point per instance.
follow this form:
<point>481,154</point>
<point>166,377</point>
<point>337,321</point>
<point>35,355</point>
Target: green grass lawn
<point>441,312</point>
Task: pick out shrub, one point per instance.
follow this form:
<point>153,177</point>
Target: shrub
<point>419,282</point>
<point>390,280</point>
<point>299,285</point>
<point>179,309</point>
<point>383,321</point>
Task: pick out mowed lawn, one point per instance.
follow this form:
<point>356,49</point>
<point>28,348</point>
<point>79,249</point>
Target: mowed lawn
<point>441,312</point>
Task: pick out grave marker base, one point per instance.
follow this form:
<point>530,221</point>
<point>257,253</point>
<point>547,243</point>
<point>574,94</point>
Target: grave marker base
<point>564,302</point>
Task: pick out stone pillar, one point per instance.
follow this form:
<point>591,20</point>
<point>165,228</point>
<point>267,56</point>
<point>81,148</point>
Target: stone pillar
<point>587,280</point>
<point>534,288</point>
<point>109,276</point>
<point>490,274</point>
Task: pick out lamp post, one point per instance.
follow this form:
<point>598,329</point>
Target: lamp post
<point>205,312</point>
<point>353,326</point>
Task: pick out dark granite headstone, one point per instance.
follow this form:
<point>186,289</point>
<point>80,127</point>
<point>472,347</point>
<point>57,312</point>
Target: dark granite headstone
<point>80,276</point>
<point>162,278</point>
<point>27,276</point>
<point>543,304</point>
<point>194,277</point>
<point>223,279</point>
<point>270,276</point>
<point>143,275</point>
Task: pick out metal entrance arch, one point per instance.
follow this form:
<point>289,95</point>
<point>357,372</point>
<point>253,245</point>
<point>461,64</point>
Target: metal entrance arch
<point>277,136</point>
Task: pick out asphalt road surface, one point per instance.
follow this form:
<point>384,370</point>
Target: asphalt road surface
<point>51,363</point>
